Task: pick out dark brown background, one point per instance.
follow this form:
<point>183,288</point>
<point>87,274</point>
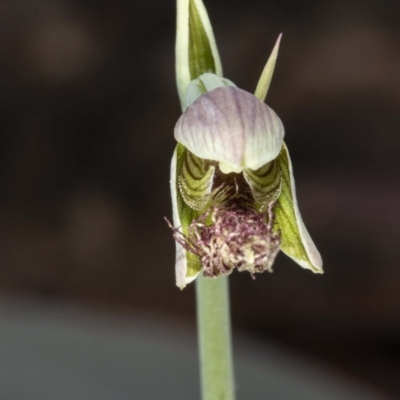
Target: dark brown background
<point>87,109</point>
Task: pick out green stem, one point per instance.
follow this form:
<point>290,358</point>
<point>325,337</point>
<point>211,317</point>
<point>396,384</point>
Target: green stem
<point>214,327</point>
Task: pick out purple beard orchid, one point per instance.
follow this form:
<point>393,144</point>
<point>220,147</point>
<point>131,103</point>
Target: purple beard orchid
<point>233,193</point>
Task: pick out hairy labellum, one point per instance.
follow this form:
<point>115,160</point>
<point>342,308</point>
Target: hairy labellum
<point>229,237</point>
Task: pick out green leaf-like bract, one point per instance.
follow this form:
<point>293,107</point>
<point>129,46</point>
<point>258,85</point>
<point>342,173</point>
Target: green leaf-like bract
<point>201,58</point>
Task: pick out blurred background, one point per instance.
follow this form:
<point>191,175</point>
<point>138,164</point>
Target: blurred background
<point>87,110</point>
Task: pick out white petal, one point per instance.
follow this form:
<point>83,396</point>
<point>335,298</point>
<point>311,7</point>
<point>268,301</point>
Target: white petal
<point>233,127</point>
<point>203,84</point>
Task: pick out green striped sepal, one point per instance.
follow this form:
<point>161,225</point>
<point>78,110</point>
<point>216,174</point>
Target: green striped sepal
<point>295,240</point>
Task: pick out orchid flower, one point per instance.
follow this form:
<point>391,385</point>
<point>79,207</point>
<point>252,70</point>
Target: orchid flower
<point>233,192</point>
